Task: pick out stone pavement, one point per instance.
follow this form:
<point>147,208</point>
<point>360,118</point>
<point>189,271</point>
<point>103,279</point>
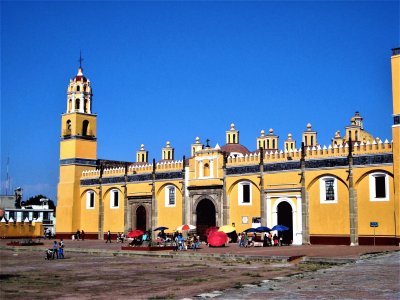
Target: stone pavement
<point>373,277</point>
<point>361,275</point>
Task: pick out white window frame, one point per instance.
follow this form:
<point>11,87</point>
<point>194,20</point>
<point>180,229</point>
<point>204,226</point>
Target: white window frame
<point>88,193</point>
<point>240,193</point>
<point>166,196</point>
<point>112,195</point>
<point>322,189</point>
<point>372,187</point>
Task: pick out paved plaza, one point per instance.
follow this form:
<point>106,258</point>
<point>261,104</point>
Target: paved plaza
<point>94,269</point>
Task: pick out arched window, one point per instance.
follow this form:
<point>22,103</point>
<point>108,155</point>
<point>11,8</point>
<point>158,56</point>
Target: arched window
<point>89,200</point>
<point>84,88</point>
<point>85,104</point>
<point>267,144</point>
<point>273,144</point>
<point>312,141</point>
<point>170,196</point>
<point>85,127</point>
<point>356,137</point>
<point>77,103</point>
<point>244,195</point>
<point>234,138</point>
<point>206,170</point>
<point>114,199</point>
<point>378,187</point>
<point>69,105</point>
<point>78,88</point>
<point>328,190</point>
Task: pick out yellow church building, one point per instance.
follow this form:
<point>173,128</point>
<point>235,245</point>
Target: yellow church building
<point>340,194</point>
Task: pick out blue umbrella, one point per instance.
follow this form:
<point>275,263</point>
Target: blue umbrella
<point>263,229</point>
<point>160,228</point>
<point>280,228</point>
<point>250,230</point>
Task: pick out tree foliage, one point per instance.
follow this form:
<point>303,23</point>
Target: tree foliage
<point>35,200</point>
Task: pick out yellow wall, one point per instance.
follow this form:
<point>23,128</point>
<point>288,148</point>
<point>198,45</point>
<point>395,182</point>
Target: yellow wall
<point>113,217</point>
<point>328,218</point>
<point>90,221</point>
<point>21,230</point>
<point>75,148</point>
<point>170,217</point>
<point>237,211</point>
<point>375,211</point>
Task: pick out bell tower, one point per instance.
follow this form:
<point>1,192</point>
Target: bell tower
<point>78,151</point>
<point>395,62</point>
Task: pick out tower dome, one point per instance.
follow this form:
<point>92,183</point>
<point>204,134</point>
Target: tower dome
<point>79,94</point>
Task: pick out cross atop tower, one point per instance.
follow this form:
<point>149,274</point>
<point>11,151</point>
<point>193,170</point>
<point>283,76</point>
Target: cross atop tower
<point>80,59</point>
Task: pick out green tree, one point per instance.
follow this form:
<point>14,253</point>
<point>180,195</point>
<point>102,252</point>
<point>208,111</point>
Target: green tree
<point>35,200</point>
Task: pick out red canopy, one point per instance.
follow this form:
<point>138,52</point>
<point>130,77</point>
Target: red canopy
<point>210,230</point>
<point>135,233</point>
<point>217,239</point>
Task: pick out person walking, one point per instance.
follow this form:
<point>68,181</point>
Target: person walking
<point>245,240</point>
<point>55,250</point>
<point>61,249</point>
<point>108,237</point>
<point>239,240</point>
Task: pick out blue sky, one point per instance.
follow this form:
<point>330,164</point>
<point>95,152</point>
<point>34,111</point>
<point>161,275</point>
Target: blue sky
<point>176,70</point>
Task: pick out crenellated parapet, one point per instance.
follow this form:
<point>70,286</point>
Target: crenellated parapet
<point>136,169</point>
<point>90,174</point>
<point>140,169</point>
<point>247,159</point>
<point>169,166</point>
<point>316,152</point>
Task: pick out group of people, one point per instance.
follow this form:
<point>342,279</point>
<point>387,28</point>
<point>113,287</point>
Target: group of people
<point>48,234</point>
<point>182,244</point>
<point>79,235</point>
<point>137,241</point>
<point>57,250</point>
<point>269,240</point>
<point>120,237</point>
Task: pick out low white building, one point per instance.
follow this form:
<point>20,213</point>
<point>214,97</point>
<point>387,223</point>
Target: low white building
<point>40,213</point>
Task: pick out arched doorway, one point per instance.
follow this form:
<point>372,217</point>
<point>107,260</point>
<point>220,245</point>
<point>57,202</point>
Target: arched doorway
<point>205,213</point>
<point>285,218</point>
<point>141,218</point>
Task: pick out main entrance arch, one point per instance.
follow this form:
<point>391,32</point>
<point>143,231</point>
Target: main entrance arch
<point>141,218</point>
<point>205,217</point>
<point>285,217</point>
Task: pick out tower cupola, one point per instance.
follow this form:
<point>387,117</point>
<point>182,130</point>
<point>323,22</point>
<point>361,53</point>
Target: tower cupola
<point>272,140</point>
<point>290,143</point>
<point>309,137</point>
<point>232,135</point>
<point>168,152</point>
<point>142,155</point>
<point>197,146</point>
<point>79,94</point>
